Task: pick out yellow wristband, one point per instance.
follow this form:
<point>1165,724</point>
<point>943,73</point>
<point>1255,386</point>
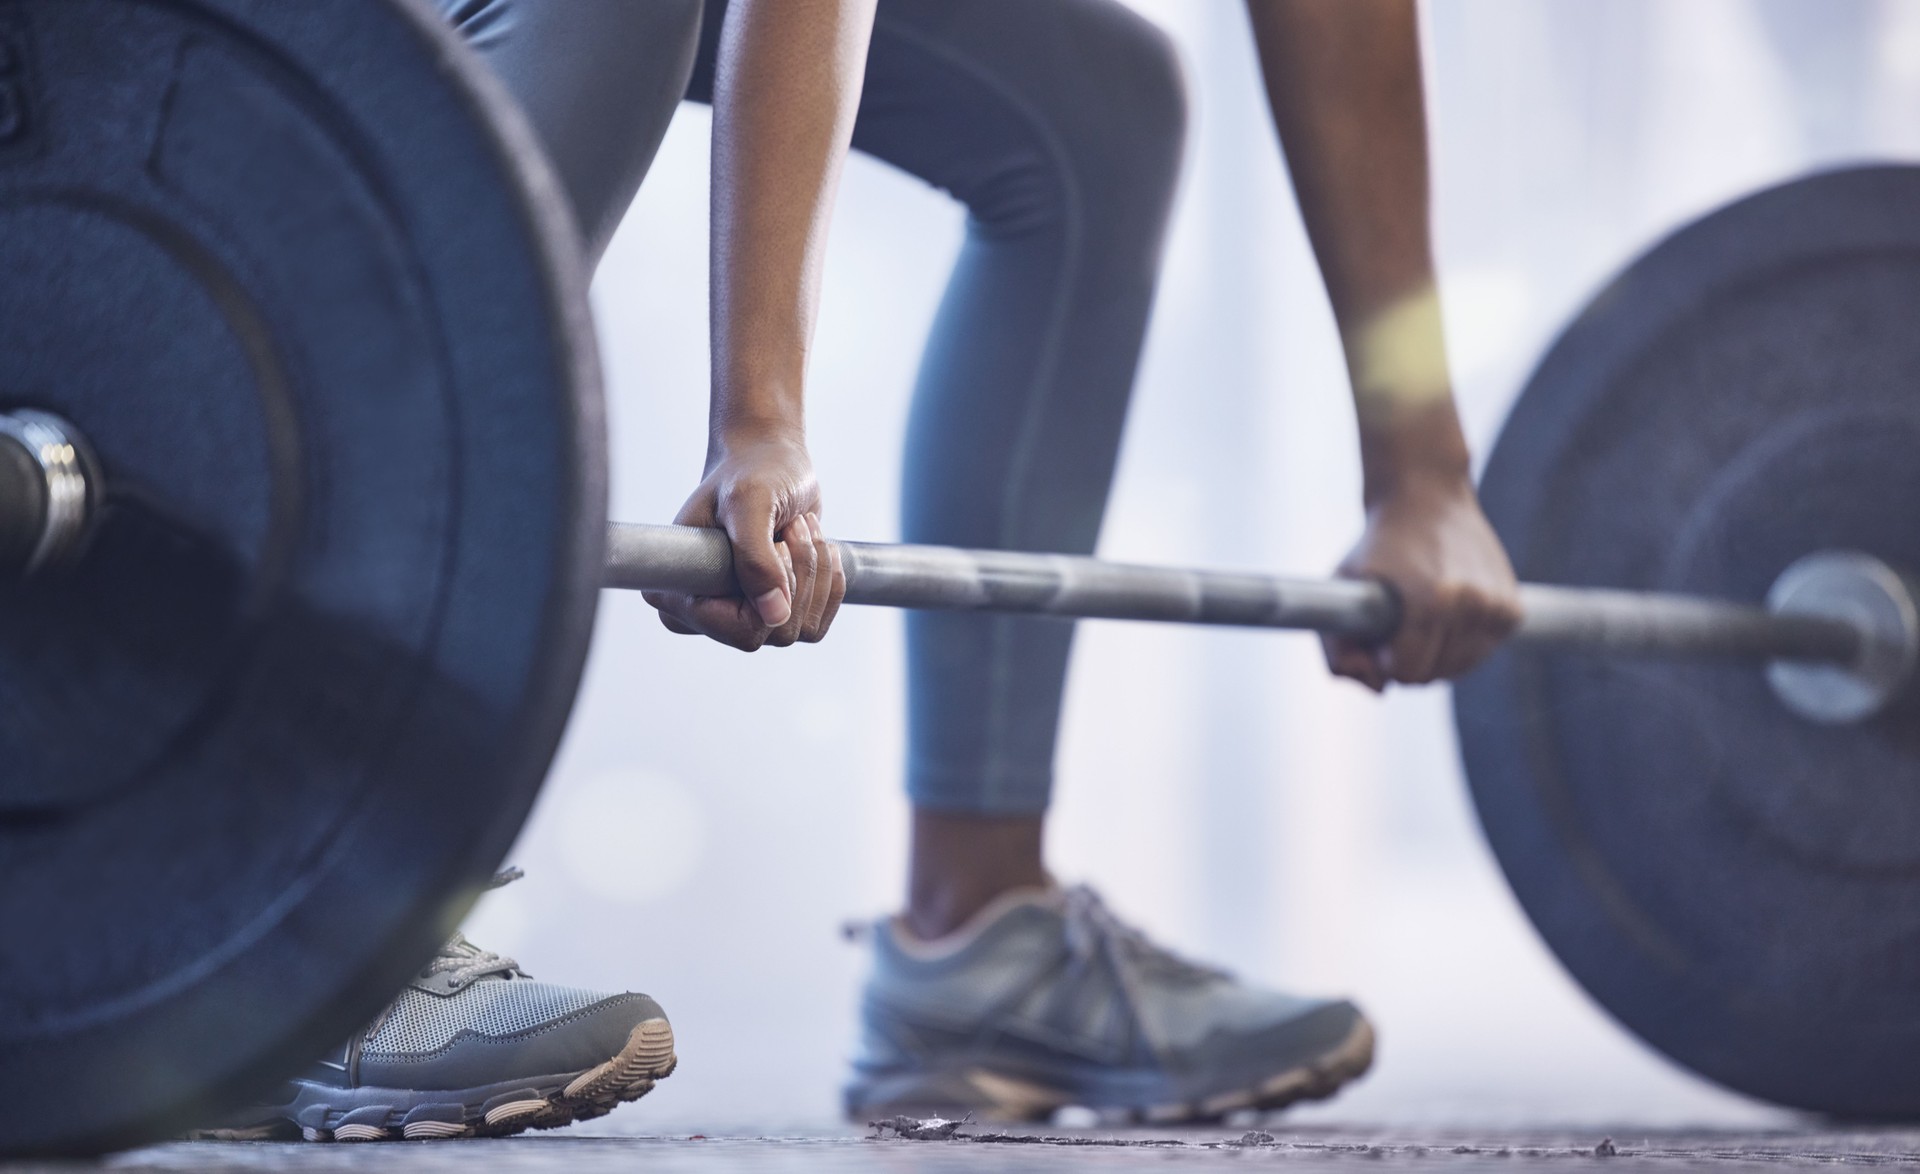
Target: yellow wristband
<point>1401,359</point>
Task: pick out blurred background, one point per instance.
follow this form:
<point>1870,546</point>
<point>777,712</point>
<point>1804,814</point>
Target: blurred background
<point>713,818</point>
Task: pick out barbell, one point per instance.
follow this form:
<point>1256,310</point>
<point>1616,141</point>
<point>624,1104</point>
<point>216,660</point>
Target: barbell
<point>1840,629</point>
<point>302,526</point>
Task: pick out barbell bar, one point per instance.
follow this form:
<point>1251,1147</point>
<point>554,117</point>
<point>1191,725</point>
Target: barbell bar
<point>1841,630</point>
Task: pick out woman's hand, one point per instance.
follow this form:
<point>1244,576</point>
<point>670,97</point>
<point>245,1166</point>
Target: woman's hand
<point>1432,544</point>
<point>760,489</point>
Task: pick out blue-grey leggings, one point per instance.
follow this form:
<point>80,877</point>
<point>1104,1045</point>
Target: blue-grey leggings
<point>1058,123</point>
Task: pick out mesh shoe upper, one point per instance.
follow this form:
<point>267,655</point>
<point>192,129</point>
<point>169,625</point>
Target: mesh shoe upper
<point>1052,987</point>
<point>473,1046</point>
<point>473,1018</point>
<point>422,1022</point>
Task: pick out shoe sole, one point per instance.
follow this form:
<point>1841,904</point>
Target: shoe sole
<point>993,1096</point>
<point>547,1102</point>
<point>1342,1065</point>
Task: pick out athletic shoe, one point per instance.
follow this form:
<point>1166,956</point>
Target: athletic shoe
<point>1045,1000</point>
<point>473,1047</point>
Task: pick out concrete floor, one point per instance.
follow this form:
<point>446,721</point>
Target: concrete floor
<point>1441,1151</point>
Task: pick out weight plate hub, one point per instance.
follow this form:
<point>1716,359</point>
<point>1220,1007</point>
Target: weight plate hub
<point>1737,884</point>
<point>296,272</point>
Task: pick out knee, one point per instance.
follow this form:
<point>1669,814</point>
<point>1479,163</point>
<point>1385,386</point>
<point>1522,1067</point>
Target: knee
<point>1151,107</point>
<point>1067,112</point>
<point>1133,91</point>
<point>656,29</point>
<point>686,17</point>
<point>650,24</point>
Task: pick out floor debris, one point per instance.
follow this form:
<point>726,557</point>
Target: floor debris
<point>918,1128</point>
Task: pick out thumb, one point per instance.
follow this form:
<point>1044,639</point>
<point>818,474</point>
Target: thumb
<point>763,575</point>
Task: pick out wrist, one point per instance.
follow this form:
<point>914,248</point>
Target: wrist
<point>1422,485</point>
<point>751,427</point>
<point>1426,455</point>
<point>1397,356</point>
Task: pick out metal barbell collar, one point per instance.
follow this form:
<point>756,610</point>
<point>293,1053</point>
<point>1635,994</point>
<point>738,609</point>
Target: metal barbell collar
<point>46,491</point>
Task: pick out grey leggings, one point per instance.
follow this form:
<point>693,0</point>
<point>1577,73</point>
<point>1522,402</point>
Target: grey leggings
<point>1058,123</point>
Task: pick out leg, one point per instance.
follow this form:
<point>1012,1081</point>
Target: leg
<point>959,863</point>
<point>1060,125</point>
<point>472,1046</point>
<point>599,80</point>
<point>1017,418</point>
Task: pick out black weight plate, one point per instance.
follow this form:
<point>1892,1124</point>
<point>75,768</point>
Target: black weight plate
<point>298,273</point>
<point>1738,886</point>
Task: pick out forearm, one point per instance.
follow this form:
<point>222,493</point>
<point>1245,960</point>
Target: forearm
<point>787,86</point>
<point>1343,79</point>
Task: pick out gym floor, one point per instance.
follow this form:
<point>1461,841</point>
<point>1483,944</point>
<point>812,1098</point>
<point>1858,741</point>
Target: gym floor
<point>587,1150</point>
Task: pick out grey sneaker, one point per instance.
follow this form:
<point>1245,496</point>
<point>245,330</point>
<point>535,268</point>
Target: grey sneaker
<point>1047,1000</point>
<point>473,1047</point>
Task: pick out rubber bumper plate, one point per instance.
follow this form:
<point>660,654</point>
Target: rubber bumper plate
<point>1737,885</point>
<point>298,273</point>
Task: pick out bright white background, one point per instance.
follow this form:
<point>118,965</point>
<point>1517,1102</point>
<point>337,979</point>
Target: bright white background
<point>713,817</point>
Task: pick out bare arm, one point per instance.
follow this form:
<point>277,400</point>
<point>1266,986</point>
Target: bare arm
<point>1343,79</point>
<point>784,100</point>
<point>787,87</point>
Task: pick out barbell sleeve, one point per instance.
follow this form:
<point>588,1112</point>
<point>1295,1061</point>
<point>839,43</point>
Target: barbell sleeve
<point>23,505</point>
<point>47,485</point>
<point>1679,625</point>
<point>700,562</point>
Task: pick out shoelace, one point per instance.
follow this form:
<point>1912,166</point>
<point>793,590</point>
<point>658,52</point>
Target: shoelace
<point>1092,930</point>
<point>466,961</point>
<point>462,959</point>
